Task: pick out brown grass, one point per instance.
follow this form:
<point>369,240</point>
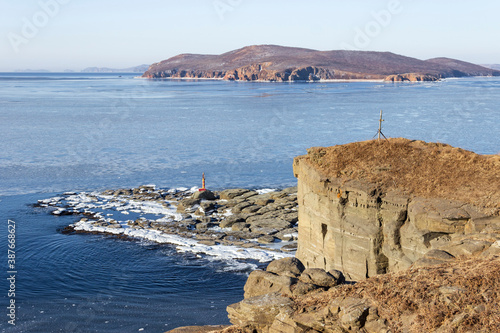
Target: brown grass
<point>412,301</point>
<point>419,168</point>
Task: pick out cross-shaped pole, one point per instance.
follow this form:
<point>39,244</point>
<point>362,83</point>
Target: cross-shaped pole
<point>380,127</point>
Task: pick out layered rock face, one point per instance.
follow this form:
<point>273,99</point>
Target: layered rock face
<point>364,229</point>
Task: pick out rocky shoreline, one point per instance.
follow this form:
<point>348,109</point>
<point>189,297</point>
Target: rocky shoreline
<point>247,219</point>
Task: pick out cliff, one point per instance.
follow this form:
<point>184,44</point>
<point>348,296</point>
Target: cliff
<point>426,214</point>
<point>279,63</point>
<point>374,207</point>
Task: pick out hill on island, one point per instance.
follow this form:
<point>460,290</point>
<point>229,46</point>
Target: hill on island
<point>280,63</point>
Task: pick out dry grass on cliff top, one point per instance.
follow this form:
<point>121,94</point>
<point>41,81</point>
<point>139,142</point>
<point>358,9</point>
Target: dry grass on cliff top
<point>414,301</point>
<point>419,168</point>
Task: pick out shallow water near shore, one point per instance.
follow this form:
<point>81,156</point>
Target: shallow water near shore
<point>72,132</point>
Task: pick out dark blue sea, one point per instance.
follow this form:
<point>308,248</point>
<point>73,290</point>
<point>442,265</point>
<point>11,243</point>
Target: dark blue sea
<point>85,132</point>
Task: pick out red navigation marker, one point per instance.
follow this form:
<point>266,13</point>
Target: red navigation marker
<point>202,183</point>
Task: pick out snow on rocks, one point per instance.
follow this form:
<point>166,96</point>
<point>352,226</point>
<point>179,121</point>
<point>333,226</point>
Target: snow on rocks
<point>233,224</point>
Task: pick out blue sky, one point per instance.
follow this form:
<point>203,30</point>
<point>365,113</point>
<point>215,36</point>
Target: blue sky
<point>74,34</point>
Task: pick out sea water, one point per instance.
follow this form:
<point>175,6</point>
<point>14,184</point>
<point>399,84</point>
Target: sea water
<point>75,131</point>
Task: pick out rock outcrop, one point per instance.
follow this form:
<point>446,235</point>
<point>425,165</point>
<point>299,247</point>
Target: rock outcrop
<point>412,77</point>
<point>461,295</point>
<point>279,64</point>
<point>240,217</point>
<point>269,294</point>
<point>363,225</point>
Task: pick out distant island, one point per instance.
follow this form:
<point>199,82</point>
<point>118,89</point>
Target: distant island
<point>281,64</point>
<point>136,69</point>
<point>492,66</point>
<point>31,71</point>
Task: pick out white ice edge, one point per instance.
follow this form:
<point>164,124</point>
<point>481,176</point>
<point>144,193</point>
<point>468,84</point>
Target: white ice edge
<point>221,252</point>
<point>94,200</point>
<point>266,190</point>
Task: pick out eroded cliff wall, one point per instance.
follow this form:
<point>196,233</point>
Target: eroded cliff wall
<point>363,229</point>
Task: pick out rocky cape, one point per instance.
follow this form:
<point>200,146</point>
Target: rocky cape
<point>284,64</point>
<point>234,218</point>
<point>394,236</point>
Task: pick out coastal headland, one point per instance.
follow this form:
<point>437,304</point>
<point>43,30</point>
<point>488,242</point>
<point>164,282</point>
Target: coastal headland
<point>379,236</point>
<point>394,236</point>
<point>290,64</point>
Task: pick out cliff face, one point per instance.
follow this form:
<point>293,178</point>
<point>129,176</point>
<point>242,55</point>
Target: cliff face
<point>364,228</point>
<point>278,63</point>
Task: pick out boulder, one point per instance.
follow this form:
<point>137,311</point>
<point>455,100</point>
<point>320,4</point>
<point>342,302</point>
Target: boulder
<point>261,282</point>
<point>290,190</point>
<point>338,275</point>
<point>122,191</point>
<point>287,234</point>
<point>302,288</point>
<point>230,220</point>
<point>269,223</point>
<point>244,234</point>
<point>248,195</point>
<point>291,217</point>
<point>258,313</point>
<point>319,277</point>
<point>291,267</point>
<point>250,209</point>
<point>239,207</point>
<point>433,257</point>
<point>187,205</point>
<point>353,313</point>
<point>467,247</point>
<point>261,199</point>
<point>267,239</point>
<point>239,226</point>
<point>207,205</point>
<point>205,195</point>
<point>232,193</point>
<point>289,247</point>
<point>265,231</point>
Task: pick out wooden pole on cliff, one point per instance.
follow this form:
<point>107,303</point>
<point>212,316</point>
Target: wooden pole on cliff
<point>380,127</point>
